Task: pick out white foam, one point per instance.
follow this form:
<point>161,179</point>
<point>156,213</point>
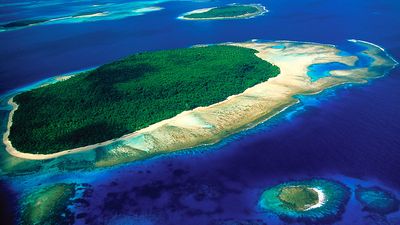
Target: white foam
<point>366,42</point>
<point>321,199</point>
<point>376,46</point>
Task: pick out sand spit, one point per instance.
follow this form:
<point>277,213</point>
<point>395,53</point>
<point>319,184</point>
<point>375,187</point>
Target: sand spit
<point>147,9</point>
<point>208,125</point>
<point>91,15</point>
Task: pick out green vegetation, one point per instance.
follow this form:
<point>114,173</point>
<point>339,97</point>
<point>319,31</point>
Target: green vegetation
<point>49,205</point>
<point>23,23</point>
<point>299,197</point>
<point>226,11</point>
<point>130,94</point>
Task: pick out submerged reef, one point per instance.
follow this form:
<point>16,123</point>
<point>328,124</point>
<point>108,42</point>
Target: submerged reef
<point>49,205</point>
<point>377,200</point>
<point>315,200</point>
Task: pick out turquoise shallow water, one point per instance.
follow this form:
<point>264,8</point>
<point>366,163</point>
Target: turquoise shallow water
<point>377,200</point>
<point>78,11</point>
<point>323,70</point>
<point>349,134</point>
<point>318,71</point>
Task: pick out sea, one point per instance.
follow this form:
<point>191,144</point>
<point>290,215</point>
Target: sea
<point>349,133</point>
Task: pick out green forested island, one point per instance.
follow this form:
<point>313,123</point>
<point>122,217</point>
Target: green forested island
<point>130,94</point>
<point>227,12</point>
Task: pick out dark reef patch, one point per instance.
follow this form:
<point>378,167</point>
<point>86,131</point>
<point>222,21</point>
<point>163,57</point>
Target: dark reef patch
<point>23,23</point>
<point>377,200</point>
<point>49,205</point>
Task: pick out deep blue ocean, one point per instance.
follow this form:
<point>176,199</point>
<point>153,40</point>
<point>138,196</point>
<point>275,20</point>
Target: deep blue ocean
<point>350,133</point>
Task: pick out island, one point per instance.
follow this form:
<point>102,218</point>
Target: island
<point>315,200</point>
<point>217,91</point>
<point>131,94</point>
<point>377,200</point>
<point>232,11</point>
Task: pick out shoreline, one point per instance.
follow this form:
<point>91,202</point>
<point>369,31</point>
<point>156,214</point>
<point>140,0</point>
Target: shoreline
<point>14,152</point>
<point>261,11</point>
<point>208,125</point>
<point>321,199</point>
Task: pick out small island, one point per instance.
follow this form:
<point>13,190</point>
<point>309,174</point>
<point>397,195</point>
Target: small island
<point>316,200</point>
<point>377,200</point>
<point>232,11</point>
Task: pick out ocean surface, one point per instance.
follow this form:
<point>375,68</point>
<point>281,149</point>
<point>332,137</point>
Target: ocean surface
<point>350,134</point>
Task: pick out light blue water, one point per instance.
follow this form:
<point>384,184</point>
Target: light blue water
<point>318,71</point>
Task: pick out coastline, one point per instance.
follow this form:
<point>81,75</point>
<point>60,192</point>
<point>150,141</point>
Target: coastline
<point>14,152</point>
<point>261,11</point>
<point>210,124</point>
<point>321,199</point>
<point>31,156</point>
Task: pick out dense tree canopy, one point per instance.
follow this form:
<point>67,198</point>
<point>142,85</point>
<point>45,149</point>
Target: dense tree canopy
<point>130,94</point>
